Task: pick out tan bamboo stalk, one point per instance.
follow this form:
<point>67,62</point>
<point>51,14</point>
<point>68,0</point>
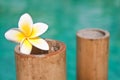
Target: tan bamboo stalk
<point>40,66</point>
<point>92,54</point>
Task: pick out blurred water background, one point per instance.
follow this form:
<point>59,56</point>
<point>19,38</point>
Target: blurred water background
<point>65,18</point>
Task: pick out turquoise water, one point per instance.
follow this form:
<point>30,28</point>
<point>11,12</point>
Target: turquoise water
<point>65,18</point>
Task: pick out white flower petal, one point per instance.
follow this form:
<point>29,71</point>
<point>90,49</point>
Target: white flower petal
<point>25,24</point>
<point>39,43</point>
<point>14,35</point>
<point>38,29</point>
<point>25,47</point>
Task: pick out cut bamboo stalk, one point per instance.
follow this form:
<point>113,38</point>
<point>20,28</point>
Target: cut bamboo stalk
<point>92,54</point>
<point>40,66</point>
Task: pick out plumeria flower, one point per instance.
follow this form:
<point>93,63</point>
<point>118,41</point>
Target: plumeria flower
<point>27,34</point>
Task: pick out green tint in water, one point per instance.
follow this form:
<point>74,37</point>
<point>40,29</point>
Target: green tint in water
<point>65,18</point>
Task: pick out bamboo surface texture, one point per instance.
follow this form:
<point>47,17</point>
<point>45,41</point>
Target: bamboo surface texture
<point>37,66</point>
<point>92,54</point>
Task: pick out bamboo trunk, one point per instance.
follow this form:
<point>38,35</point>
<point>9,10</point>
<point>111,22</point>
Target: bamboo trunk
<point>40,66</point>
<point>92,54</point>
